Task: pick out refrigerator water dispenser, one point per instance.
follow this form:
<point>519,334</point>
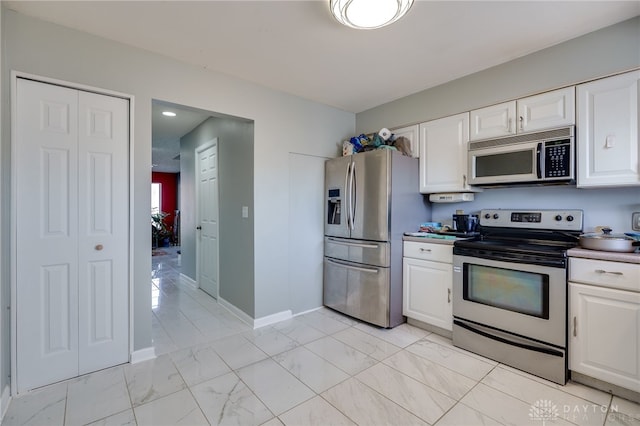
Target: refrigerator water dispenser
<point>333,204</point>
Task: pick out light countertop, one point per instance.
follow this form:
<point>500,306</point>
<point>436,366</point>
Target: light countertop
<point>604,255</point>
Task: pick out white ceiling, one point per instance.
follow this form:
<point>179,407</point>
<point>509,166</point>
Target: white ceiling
<point>167,131</point>
<point>297,47</point>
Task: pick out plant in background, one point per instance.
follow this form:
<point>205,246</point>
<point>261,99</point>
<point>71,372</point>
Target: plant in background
<point>159,230</point>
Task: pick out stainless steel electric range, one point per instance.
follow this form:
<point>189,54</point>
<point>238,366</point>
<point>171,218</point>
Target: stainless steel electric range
<point>510,289</point>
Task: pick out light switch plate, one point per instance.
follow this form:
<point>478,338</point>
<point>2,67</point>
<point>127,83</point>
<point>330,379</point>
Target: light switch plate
<point>245,211</point>
<point>635,221</point>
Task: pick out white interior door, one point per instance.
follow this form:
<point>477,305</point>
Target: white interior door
<point>103,231</point>
<point>207,219</point>
<point>47,234</point>
<point>72,233</point>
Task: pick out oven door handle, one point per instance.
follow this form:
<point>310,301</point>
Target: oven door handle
<point>509,342</point>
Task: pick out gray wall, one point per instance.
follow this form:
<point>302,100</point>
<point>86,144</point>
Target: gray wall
<point>283,123</point>
<point>610,50</point>
<point>5,294</point>
<point>235,179</point>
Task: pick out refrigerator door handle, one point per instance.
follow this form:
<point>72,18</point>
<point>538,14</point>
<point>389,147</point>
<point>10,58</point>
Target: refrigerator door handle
<point>355,268</point>
<point>360,245</point>
<point>347,198</point>
<point>352,196</point>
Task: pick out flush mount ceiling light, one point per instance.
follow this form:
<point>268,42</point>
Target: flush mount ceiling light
<point>169,114</point>
<point>369,14</point>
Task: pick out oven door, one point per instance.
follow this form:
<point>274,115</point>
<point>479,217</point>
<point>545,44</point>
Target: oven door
<point>528,300</point>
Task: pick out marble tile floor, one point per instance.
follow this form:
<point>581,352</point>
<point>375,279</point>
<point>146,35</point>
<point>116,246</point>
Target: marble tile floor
<point>320,368</point>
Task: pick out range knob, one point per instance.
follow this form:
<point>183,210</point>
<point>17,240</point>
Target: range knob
<point>558,218</point>
<point>496,216</point>
<point>487,216</point>
<point>570,218</point>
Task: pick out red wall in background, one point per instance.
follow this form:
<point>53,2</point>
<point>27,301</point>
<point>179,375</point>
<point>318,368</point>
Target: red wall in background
<point>169,185</point>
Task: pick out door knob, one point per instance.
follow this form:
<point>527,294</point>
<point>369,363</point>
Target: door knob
<point>198,227</point>
<point>99,247</point>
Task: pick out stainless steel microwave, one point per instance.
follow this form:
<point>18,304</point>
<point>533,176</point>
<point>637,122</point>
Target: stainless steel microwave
<point>546,157</point>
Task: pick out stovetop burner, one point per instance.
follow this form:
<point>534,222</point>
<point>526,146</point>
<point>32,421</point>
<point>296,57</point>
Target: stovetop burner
<point>539,232</point>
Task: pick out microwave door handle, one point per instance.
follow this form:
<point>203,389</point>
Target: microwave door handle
<point>539,160</point>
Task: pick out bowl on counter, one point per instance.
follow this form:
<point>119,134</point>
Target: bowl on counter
<point>608,241</point>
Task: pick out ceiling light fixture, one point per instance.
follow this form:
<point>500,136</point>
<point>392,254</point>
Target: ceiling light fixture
<point>369,14</point>
<point>169,114</point>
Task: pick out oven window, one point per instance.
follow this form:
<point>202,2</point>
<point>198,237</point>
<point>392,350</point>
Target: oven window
<point>517,291</point>
<point>506,164</point>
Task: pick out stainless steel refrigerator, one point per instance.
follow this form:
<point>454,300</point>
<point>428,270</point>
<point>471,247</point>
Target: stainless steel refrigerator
<point>372,198</point>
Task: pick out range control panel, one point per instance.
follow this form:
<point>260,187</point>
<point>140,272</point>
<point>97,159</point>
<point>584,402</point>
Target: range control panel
<point>562,220</point>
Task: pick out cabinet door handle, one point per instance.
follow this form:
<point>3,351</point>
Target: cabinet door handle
<point>575,327</point>
<point>448,295</point>
<point>521,123</point>
<point>425,250</point>
<point>602,271</point>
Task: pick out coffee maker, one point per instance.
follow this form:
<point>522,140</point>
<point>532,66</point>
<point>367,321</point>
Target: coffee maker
<point>465,223</point>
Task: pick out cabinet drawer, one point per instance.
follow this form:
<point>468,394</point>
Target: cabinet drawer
<point>427,251</point>
<point>625,276</point>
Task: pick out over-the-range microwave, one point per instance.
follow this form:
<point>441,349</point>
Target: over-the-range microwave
<point>546,157</point>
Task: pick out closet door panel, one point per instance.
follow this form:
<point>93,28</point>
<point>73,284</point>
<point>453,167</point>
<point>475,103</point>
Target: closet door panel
<point>46,158</point>
<point>103,231</point>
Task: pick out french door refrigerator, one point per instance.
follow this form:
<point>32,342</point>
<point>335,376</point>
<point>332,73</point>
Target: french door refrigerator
<point>372,198</point>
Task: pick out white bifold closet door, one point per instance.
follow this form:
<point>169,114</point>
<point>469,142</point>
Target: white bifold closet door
<point>72,218</point>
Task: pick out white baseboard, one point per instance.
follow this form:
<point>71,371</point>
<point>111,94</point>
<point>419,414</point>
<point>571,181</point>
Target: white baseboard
<point>188,281</point>
<point>5,401</point>
<point>308,311</point>
<point>235,311</point>
<point>272,319</point>
<point>258,322</point>
<point>143,355</point>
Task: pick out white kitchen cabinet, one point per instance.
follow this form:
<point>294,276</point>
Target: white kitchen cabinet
<point>427,275</point>
<point>413,134</point>
<point>608,149</point>
<point>604,321</point>
<point>443,155</point>
<point>493,121</point>
<point>544,111</point>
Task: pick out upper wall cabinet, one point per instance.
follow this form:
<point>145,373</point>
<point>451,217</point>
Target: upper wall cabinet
<point>608,146</point>
<point>543,111</point>
<point>413,134</point>
<point>443,155</point>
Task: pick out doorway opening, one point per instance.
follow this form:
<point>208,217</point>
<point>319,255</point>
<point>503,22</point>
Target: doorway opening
<point>176,142</point>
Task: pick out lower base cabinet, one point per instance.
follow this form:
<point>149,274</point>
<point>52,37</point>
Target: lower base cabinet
<point>427,286</point>
<point>604,329</point>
